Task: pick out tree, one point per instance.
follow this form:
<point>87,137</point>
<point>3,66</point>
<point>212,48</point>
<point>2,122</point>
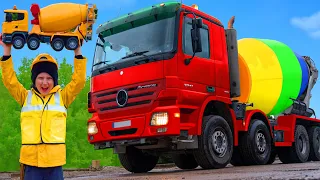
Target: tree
<point>65,71</point>
<point>24,72</point>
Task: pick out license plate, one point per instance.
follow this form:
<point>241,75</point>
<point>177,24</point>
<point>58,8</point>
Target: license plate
<point>121,124</point>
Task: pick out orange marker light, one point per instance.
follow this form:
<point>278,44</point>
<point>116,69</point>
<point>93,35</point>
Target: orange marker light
<point>195,6</point>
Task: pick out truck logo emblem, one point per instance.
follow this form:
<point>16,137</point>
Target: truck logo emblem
<point>122,98</point>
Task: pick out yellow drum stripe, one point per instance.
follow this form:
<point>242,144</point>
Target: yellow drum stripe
<point>265,71</point>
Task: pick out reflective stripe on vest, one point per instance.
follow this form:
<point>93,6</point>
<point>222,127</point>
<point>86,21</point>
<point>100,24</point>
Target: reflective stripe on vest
<point>56,107</point>
<point>43,123</point>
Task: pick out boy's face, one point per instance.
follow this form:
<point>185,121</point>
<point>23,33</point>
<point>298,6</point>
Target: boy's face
<point>44,83</point>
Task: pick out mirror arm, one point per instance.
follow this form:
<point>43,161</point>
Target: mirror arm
<point>188,60</point>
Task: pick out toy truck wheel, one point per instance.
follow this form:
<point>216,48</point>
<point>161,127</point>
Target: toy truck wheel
<point>215,143</point>
<point>72,43</point>
<point>33,42</point>
<point>18,42</point>
<point>314,137</point>
<point>57,44</point>
<point>136,161</point>
<point>300,149</point>
<point>255,145</point>
<point>184,161</point>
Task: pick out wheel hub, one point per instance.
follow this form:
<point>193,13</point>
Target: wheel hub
<point>18,42</point>
<point>302,144</point>
<point>261,142</point>
<point>33,43</point>
<point>220,143</point>
<point>72,44</point>
<point>58,45</point>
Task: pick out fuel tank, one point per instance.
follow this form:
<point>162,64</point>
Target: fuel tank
<point>62,17</point>
<point>270,74</point>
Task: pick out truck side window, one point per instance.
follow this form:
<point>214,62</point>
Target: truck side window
<point>14,17</point>
<point>187,44</point>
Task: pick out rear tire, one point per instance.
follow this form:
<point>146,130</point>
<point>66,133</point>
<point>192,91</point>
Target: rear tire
<point>57,44</point>
<point>314,138</point>
<point>18,42</point>
<point>136,161</point>
<point>184,161</point>
<point>33,42</point>
<point>72,43</point>
<point>215,143</point>
<point>300,149</point>
<point>255,145</point>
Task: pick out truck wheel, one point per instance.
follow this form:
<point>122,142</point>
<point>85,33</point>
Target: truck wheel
<point>33,43</point>
<point>273,156</point>
<point>215,143</point>
<point>255,145</point>
<point>184,161</point>
<point>300,149</point>
<point>314,137</point>
<point>72,43</point>
<point>134,160</point>
<point>57,44</point>
<point>18,42</point>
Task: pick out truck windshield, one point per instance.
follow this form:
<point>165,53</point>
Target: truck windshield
<point>145,40</point>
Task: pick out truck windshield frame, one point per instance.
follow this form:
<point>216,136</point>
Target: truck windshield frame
<point>145,40</point>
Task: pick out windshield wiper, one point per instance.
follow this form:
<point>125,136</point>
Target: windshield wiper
<point>135,54</point>
<point>101,62</point>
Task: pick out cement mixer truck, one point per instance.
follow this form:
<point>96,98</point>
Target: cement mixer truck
<point>170,79</point>
<point>62,25</point>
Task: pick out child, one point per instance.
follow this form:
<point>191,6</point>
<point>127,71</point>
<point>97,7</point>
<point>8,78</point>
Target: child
<point>43,112</point>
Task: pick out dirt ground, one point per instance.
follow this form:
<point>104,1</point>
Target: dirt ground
<point>310,170</point>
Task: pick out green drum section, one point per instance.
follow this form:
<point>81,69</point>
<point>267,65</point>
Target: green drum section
<point>291,72</point>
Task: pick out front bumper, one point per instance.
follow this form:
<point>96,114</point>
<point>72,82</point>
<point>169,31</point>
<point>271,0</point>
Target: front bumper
<point>136,127</point>
<point>7,38</point>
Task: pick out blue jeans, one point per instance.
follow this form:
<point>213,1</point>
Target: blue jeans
<point>37,173</point>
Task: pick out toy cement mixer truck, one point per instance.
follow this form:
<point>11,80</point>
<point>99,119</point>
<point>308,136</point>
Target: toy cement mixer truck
<point>60,25</point>
<point>184,85</point>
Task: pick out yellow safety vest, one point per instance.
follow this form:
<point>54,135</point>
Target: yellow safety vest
<point>43,121</point>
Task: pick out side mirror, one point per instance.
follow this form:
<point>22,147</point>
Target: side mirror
<point>8,17</point>
<point>195,35</point>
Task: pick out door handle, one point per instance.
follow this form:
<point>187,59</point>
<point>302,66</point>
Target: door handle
<point>210,89</point>
<point>16,27</point>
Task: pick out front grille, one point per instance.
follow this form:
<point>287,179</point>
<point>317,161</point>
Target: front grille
<point>136,95</point>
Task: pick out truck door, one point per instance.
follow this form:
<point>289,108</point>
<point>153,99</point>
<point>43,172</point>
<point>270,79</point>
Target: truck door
<point>199,74</point>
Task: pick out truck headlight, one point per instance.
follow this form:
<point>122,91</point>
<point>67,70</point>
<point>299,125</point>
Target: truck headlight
<point>159,119</point>
<point>92,128</point>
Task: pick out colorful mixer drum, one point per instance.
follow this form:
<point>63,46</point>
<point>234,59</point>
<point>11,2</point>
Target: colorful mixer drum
<point>270,74</point>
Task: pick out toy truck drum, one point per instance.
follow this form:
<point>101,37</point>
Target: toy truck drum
<point>60,25</point>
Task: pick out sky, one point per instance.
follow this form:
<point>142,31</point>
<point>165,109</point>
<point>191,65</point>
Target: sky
<point>295,23</point>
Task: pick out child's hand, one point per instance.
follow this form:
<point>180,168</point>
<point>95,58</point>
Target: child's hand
<point>6,47</point>
<point>1,43</point>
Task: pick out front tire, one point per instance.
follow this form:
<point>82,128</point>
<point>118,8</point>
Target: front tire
<point>18,42</point>
<point>215,143</point>
<point>136,161</point>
